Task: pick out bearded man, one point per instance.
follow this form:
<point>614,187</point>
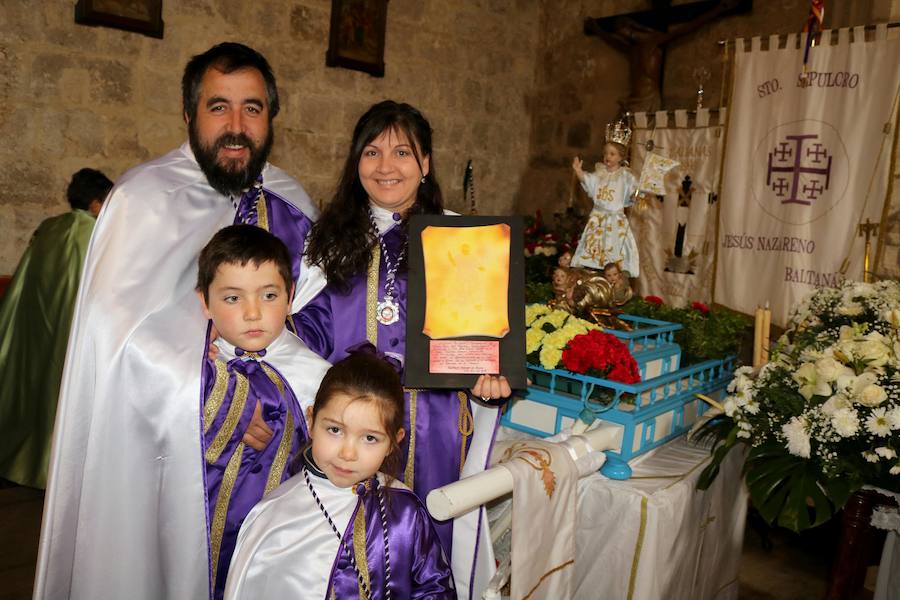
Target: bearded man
<point>125,513</point>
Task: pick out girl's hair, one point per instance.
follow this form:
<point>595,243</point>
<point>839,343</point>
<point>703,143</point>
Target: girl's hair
<point>342,239</point>
<point>367,378</point>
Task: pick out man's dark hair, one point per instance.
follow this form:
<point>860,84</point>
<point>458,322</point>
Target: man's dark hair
<point>226,57</point>
<point>86,186</point>
<point>239,245</point>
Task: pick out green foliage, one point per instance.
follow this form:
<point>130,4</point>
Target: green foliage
<point>715,334</point>
<point>538,292</point>
<point>724,436</point>
<point>790,490</point>
<point>822,418</point>
<point>539,268</point>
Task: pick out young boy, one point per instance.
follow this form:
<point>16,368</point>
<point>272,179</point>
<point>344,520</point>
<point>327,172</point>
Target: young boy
<point>257,387</point>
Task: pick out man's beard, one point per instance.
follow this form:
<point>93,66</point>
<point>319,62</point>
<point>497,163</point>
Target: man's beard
<point>228,178</point>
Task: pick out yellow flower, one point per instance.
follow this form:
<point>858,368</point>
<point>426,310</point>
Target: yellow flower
<point>557,340</point>
<point>533,338</point>
<point>550,357</point>
<point>533,311</point>
<point>539,322</point>
<point>557,318</point>
<point>574,327</point>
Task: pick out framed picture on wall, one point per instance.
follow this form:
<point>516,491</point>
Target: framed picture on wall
<point>356,39</point>
<point>142,16</point>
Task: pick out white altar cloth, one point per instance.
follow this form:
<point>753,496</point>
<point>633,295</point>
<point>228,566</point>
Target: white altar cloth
<point>654,537</point>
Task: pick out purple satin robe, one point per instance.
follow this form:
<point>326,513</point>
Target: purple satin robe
<point>256,469</point>
<point>282,219</point>
<point>291,226</point>
<point>419,568</point>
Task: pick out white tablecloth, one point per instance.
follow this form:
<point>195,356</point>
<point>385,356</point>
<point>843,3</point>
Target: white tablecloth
<point>654,537</point>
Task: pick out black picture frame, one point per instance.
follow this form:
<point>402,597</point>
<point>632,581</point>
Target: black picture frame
<point>512,345</point>
<point>356,36</point>
<point>140,16</point>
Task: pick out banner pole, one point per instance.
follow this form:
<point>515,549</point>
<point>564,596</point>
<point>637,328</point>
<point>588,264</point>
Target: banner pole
<point>730,64</point>
<point>886,209</point>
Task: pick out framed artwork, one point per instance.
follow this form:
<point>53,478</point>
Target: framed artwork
<point>466,301</point>
<point>356,39</point>
<point>142,16</point>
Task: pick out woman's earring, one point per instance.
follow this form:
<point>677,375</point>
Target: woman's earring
<point>422,180</point>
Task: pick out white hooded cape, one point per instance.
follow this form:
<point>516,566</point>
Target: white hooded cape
<point>125,510</point>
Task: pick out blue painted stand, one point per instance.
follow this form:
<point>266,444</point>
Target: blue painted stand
<point>659,408</point>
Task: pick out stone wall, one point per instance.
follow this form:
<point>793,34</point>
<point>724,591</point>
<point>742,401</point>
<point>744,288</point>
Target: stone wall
<point>578,84</point>
<point>581,79</point>
<point>77,96</point>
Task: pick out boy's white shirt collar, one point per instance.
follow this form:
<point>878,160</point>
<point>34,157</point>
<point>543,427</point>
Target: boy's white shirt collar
<point>227,353</point>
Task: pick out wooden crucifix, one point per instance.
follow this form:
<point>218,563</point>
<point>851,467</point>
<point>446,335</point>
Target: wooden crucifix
<point>644,35</point>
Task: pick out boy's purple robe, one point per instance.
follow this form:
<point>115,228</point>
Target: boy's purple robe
<point>237,476</point>
<point>255,473</point>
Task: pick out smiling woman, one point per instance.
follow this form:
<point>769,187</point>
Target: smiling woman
<point>390,171</point>
<point>360,242</point>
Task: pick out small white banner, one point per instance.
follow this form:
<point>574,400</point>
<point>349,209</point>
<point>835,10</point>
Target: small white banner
<point>806,163</point>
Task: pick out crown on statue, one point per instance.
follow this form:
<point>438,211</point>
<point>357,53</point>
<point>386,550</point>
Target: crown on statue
<point>618,132</point>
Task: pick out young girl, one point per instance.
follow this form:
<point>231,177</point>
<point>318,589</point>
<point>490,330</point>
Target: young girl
<point>339,528</point>
<point>607,236</point>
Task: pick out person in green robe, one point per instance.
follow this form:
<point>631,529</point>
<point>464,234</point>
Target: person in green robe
<point>35,315</point>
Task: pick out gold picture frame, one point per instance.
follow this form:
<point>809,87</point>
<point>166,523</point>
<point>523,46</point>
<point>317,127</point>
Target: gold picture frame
<point>356,37</point>
<point>140,16</point>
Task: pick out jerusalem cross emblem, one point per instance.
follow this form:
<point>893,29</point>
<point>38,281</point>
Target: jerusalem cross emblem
<point>799,169</point>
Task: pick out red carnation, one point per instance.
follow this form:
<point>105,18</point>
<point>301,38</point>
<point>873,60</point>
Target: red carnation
<point>701,307</point>
<point>654,300</point>
<point>602,355</point>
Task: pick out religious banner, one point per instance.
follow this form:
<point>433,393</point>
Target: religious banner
<point>807,162</point>
<point>676,228</point>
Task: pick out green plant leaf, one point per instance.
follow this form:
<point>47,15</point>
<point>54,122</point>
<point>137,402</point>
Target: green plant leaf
<point>789,490</point>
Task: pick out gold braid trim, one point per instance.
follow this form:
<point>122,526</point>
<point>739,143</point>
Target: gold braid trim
<point>281,456</point>
<point>546,575</point>
<point>273,377</point>
<point>359,546</point>
<point>238,403</point>
<point>466,425</point>
<point>409,472</point>
<point>372,296</point>
<point>216,396</point>
<point>262,211</point>
<point>222,501</point>
<point>639,544</point>
<point>292,326</point>
<point>276,473</point>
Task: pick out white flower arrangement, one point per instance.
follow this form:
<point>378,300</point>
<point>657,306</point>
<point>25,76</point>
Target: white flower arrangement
<point>831,393</point>
<point>822,418</point>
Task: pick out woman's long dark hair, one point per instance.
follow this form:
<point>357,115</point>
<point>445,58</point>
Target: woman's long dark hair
<point>341,241</point>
